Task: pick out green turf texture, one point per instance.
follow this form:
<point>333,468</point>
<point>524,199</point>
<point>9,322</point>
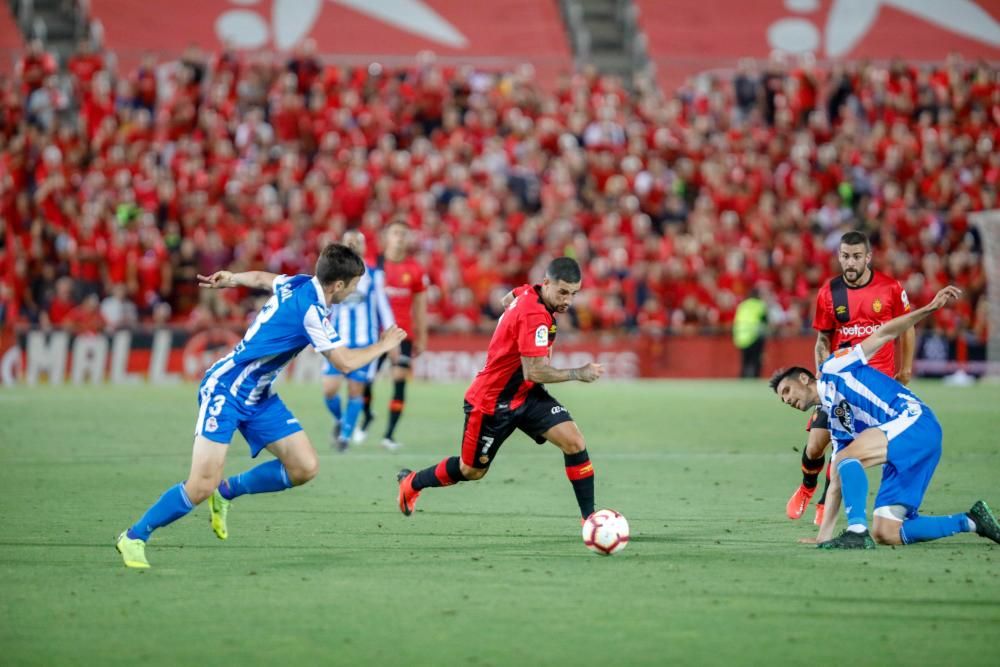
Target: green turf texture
<point>485,573</point>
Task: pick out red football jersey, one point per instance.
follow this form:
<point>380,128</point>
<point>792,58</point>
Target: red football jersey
<point>526,329</point>
<point>868,307</point>
<point>402,281</point>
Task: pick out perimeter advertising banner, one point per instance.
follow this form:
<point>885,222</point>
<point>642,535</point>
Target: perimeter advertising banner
<point>171,355</point>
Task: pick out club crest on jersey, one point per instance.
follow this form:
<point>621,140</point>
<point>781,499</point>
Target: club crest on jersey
<point>211,425</point>
<point>845,416</point>
<point>542,336</point>
<point>877,306</point>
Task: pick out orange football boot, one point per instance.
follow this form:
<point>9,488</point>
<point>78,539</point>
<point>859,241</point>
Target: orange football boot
<point>407,499</point>
<point>799,501</point>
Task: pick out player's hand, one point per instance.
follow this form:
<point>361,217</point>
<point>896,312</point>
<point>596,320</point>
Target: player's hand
<point>590,372</point>
<point>904,375</point>
<point>945,297</point>
<point>217,280</point>
<point>392,337</point>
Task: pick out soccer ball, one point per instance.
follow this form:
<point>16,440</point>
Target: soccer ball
<point>605,532</point>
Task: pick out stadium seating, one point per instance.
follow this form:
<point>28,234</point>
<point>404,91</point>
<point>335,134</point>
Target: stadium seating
<point>677,204</point>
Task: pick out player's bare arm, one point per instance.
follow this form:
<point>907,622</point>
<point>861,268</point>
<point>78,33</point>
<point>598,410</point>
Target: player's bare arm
<point>829,523</point>
<point>261,280</point>
<point>894,327</point>
<point>823,343</point>
<point>907,348</point>
<point>419,323</point>
<point>507,299</point>
<point>537,369</point>
<point>346,359</point>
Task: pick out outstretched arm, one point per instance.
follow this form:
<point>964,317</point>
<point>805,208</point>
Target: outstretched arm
<point>253,279</point>
<point>346,359</point>
<point>894,327</point>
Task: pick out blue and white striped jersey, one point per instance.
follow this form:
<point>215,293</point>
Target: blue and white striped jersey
<point>363,315</point>
<point>858,397</point>
<point>296,315</point>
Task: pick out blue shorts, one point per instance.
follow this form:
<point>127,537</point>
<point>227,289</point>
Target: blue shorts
<point>364,374</point>
<point>220,414</point>
<point>913,454</point>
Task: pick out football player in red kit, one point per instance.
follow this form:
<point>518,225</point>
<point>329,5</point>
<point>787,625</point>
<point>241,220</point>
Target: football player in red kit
<point>508,393</point>
<point>849,308</point>
<point>406,285</point>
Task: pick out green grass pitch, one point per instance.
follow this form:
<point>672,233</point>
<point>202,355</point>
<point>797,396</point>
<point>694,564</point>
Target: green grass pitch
<point>485,573</point>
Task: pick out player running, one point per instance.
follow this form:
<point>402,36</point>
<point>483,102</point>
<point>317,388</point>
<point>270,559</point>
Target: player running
<point>406,285</point>
<point>850,307</point>
<point>236,393</point>
<point>358,319</point>
<point>875,420</point>
<point>508,393</point>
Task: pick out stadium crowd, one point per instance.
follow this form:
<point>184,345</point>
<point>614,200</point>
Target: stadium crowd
<point>118,185</point>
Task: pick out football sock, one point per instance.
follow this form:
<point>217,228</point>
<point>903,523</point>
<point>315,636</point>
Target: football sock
<point>811,468</point>
<point>855,491</point>
<point>368,416</point>
<point>171,506</point>
<point>396,406</point>
<point>927,528</point>
<point>580,472</point>
<point>826,487</point>
<point>265,478</point>
<point>445,473</point>
<point>333,405</point>
<point>354,406</point>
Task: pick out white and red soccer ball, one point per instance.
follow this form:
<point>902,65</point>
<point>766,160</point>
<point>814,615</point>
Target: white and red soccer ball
<point>605,532</point>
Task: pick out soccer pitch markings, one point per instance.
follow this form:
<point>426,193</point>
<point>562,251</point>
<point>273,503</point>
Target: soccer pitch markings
<point>485,573</point>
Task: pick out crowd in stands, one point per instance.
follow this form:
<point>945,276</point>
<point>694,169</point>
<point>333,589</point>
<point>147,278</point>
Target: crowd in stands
<point>119,184</point>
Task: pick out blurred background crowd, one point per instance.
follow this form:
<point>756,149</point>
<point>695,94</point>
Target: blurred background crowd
<point>118,186</point>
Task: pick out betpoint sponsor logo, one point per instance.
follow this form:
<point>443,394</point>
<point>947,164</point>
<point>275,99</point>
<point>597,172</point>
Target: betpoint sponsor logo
<point>857,330</point>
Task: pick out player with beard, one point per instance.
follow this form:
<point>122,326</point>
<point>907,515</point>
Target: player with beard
<point>849,308</point>
<point>508,393</point>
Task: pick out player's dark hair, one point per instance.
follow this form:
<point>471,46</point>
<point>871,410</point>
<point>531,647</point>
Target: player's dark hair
<point>565,269</point>
<point>338,262</point>
<point>783,373</point>
<point>856,238</point>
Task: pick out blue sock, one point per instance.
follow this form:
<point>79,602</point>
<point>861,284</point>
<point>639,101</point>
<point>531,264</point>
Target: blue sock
<point>333,405</point>
<point>927,528</point>
<point>355,405</point>
<point>171,506</point>
<point>854,488</point>
<point>265,478</point>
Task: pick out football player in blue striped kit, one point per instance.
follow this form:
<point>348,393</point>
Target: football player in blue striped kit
<point>236,393</point>
<point>875,420</point>
<point>358,319</point>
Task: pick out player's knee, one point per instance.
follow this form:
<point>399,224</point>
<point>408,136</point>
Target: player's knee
<point>473,473</point>
<point>887,533</point>
<point>573,444</point>
<point>198,489</point>
<point>303,471</point>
